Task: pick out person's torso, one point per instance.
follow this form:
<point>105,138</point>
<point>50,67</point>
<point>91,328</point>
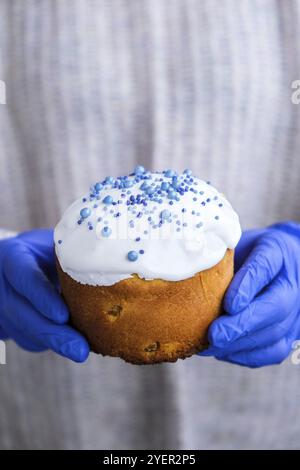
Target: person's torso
<point>94,87</point>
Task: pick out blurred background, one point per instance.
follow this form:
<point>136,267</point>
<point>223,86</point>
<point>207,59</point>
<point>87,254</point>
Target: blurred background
<point>95,87</point>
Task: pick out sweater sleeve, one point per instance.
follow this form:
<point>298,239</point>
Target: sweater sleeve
<point>6,233</point>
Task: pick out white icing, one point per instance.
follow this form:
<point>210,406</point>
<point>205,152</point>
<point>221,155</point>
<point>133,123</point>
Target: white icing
<point>90,258</point>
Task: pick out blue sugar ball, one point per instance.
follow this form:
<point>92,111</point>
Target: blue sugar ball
<point>109,180</point>
<point>165,214</point>
<point>187,172</point>
<point>150,191</point>
<point>132,255</point>
<point>106,232</point>
<point>144,186</point>
<point>85,212</point>
<point>108,200</point>
<point>171,195</point>
<point>139,170</point>
<point>98,187</point>
<point>169,173</point>
<point>128,183</point>
<point>164,186</point>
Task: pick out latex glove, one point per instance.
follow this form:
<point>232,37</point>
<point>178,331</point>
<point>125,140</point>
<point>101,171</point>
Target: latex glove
<point>32,312</point>
<point>263,300</point>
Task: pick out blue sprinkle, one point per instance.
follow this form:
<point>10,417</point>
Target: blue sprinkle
<point>183,210</point>
<point>132,255</point>
<point>164,186</point>
<point>84,199</point>
<point>165,214</point>
<point>217,217</point>
<point>193,212</point>
<point>141,252</point>
<point>171,195</point>
<point>117,214</point>
<point>95,206</point>
<point>137,239</point>
<point>203,203</point>
<point>139,215</point>
<point>150,191</point>
<point>215,198</point>
<point>79,222</point>
<point>187,172</point>
<point>106,232</point>
<point>59,242</point>
<point>207,182</point>
<point>169,173</point>
<point>199,225</point>
<point>220,205</point>
<point>128,183</point>
<point>194,199</point>
<point>145,232</point>
<point>178,229</point>
<point>184,224</point>
<point>171,203</point>
<point>144,186</point>
<point>85,212</point>
<point>178,222</point>
<point>109,180</point>
<point>208,199</point>
<point>99,219</point>
<point>98,187</point>
<point>139,170</point>
<point>107,200</point>
<point>90,227</point>
<point>201,192</point>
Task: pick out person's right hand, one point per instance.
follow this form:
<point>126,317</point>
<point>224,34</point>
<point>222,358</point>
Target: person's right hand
<point>32,312</point>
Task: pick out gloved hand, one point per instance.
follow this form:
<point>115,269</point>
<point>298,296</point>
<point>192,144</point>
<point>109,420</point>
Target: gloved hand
<point>32,312</point>
<point>263,300</point>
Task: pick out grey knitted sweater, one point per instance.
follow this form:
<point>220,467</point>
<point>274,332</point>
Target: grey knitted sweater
<point>95,86</point>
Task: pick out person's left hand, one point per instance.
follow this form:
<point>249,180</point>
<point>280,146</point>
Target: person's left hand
<point>263,300</point>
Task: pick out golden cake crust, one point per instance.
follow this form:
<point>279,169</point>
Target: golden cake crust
<point>147,322</point>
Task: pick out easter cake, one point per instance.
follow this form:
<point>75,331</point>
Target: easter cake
<point>144,261</point>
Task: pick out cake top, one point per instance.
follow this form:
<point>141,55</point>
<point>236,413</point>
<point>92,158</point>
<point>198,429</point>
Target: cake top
<point>161,225</point>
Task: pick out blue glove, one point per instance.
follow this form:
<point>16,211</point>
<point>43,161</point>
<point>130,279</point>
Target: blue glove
<point>263,300</point>
<point>32,312</point>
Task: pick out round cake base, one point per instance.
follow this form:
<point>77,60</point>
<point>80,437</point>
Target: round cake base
<point>148,322</point>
